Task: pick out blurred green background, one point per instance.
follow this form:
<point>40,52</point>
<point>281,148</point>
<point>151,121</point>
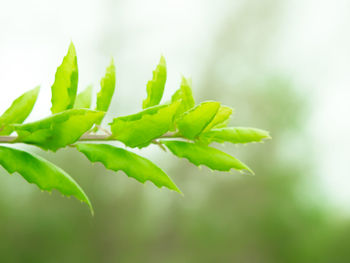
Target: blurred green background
<point>282,65</point>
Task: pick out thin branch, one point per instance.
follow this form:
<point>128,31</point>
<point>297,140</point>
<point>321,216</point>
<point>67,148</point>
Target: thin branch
<point>103,130</point>
<point>158,143</point>
<point>7,139</point>
<point>95,137</point>
<point>169,135</point>
<point>85,137</point>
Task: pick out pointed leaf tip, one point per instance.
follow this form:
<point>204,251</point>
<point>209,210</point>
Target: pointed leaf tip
<point>184,93</point>
<point>200,154</point>
<point>105,95</point>
<point>64,88</point>
<point>36,170</point>
<point>235,135</point>
<point>133,165</point>
<point>19,110</point>
<point>155,87</point>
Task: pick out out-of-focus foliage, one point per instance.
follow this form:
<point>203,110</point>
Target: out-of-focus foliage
<point>83,100</point>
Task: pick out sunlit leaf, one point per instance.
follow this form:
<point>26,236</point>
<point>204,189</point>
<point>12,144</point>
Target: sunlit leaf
<point>58,130</point>
<point>39,171</point>
<point>83,100</point>
<point>200,154</point>
<point>139,129</point>
<point>235,135</point>
<point>105,95</point>
<point>64,89</point>
<point>185,95</point>
<point>155,87</point>
<point>221,118</point>
<point>118,159</point>
<point>18,111</point>
<point>194,121</point>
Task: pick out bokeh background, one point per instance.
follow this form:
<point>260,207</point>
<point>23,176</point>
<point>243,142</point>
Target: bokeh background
<point>282,64</point>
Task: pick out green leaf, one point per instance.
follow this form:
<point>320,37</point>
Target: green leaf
<point>105,95</point>
<point>65,87</point>
<point>83,100</point>
<point>118,159</point>
<point>39,171</point>
<point>185,95</point>
<point>18,111</point>
<point>199,154</point>
<point>155,87</point>
<point>221,118</point>
<point>194,121</point>
<point>58,130</point>
<point>235,135</point>
<point>139,129</point>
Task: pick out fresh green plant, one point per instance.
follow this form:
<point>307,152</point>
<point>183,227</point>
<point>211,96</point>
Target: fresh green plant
<point>181,126</point>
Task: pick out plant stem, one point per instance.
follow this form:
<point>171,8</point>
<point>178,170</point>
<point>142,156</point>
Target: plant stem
<point>92,137</point>
<point>7,139</point>
<point>85,137</point>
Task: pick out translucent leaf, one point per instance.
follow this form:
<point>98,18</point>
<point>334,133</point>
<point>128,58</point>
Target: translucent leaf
<point>83,100</point>
<point>18,111</point>
<point>58,130</point>
<point>199,154</point>
<point>194,121</point>
<point>221,118</point>
<point>155,87</point>
<point>64,89</point>
<point>235,135</point>
<point>185,95</point>
<point>39,171</point>
<point>104,97</point>
<point>139,129</point>
<point>118,159</point>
